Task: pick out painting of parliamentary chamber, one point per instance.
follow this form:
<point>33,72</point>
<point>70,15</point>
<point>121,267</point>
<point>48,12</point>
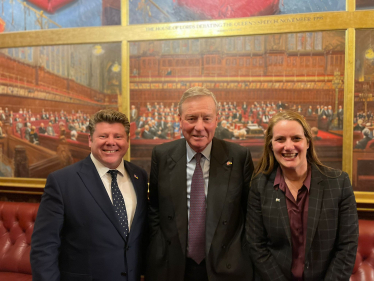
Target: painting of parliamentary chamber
<point>363,119</point>
<point>63,60</point>
<point>47,96</point>
<point>253,77</point>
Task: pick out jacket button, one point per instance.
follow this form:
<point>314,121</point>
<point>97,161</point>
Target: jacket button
<point>170,218</point>
<point>123,273</point>
<point>228,266</point>
<point>224,222</point>
<point>307,265</point>
<point>223,246</point>
<point>127,248</point>
<point>169,242</point>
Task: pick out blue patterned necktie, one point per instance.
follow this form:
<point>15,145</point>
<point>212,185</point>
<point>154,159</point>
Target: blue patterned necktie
<point>119,204</point>
<point>196,225</point>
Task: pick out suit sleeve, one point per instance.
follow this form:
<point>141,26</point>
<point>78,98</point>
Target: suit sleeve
<point>344,256</point>
<point>153,211</point>
<point>266,265</point>
<point>247,172</point>
<point>45,241</point>
<point>145,243</point>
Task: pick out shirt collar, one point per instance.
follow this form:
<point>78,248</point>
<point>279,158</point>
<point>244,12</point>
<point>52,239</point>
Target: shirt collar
<point>102,170</point>
<point>279,181</point>
<point>191,153</point>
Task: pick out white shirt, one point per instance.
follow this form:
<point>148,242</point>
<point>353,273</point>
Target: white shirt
<point>205,166</point>
<point>124,183</point>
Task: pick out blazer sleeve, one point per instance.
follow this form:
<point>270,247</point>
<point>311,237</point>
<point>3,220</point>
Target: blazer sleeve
<point>266,265</point>
<point>344,256</point>
<point>45,241</point>
<point>247,172</point>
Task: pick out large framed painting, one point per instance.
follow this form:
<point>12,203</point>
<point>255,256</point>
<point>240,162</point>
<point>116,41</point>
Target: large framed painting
<point>26,15</point>
<point>47,94</point>
<point>253,77</point>
<point>363,142</point>
<point>158,11</point>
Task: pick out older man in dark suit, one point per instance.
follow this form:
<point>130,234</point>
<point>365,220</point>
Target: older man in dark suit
<point>91,220</point>
<point>198,191</point>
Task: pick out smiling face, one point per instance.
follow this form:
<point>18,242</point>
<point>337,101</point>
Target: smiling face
<point>290,146</point>
<point>109,143</point>
<point>198,121</point>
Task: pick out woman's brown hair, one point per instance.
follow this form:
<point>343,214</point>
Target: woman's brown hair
<point>267,161</point>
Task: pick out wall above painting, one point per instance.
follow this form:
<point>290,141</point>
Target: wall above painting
<point>22,15</point>
<point>50,6</point>
<point>158,11</point>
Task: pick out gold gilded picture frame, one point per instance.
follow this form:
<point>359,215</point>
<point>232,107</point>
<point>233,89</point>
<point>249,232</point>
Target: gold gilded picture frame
<point>347,21</point>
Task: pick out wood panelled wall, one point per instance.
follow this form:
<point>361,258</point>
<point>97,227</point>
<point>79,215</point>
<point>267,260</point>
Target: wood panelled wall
<point>279,63</point>
<point>22,74</point>
<point>36,105</point>
<point>312,97</point>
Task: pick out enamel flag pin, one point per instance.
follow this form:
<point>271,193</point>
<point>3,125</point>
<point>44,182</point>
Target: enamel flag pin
<point>135,176</point>
<point>277,200</point>
<point>229,163</point>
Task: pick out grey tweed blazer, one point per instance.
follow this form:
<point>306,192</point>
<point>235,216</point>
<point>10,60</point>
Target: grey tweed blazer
<point>332,228</point>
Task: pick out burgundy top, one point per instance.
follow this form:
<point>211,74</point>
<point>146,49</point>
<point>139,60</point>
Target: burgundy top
<point>298,217</point>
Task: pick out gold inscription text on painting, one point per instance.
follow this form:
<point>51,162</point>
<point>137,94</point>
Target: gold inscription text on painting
<point>246,22</point>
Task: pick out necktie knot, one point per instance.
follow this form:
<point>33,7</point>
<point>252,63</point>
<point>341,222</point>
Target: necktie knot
<point>198,157</point>
<point>113,173</point>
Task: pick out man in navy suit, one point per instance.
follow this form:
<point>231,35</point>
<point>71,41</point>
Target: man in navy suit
<point>77,233</point>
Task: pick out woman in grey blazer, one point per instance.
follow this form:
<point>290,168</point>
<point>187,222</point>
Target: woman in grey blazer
<point>302,219</point>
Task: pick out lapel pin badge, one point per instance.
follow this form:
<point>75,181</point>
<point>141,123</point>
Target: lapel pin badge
<point>135,176</point>
<point>277,200</point>
<point>229,163</point>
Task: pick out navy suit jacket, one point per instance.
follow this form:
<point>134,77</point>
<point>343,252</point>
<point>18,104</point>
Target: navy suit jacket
<point>77,234</point>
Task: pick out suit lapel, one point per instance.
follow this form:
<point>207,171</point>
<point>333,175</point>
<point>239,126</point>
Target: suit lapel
<point>278,204</point>
<point>281,203</point>
<point>136,222</point>
<point>176,163</point>
<point>315,204</point>
<point>219,175</point>
<point>95,186</point>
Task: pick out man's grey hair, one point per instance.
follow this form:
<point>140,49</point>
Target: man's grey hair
<point>196,92</point>
<point>366,132</point>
